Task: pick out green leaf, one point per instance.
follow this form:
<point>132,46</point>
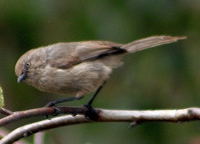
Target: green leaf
<point>1,98</point>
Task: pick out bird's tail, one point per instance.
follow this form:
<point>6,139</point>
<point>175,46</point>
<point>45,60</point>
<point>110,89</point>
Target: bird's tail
<point>150,42</point>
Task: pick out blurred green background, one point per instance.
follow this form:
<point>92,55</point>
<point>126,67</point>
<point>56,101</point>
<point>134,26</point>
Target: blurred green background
<point>166,77</point>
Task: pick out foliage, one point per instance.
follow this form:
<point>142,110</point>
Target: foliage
<point>1,98</point>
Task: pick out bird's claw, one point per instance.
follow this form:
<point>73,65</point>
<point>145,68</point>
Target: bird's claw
<point>91,114</point>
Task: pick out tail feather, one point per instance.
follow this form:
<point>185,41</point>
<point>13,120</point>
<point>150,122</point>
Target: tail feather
<point>150,42</point>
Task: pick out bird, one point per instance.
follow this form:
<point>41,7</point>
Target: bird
<point>78,68</point>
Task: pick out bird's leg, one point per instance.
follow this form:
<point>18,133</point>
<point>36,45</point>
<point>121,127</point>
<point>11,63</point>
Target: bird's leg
<point>92,114</point>
<point>56,109</point>
<point>53,103</point>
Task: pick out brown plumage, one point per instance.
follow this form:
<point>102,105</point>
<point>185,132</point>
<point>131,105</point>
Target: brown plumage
<point>77,68</point>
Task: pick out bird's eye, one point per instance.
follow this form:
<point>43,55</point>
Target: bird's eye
<point>27,64</point>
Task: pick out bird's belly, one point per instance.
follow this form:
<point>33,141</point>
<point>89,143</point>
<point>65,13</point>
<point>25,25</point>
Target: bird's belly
<point>83,78</point>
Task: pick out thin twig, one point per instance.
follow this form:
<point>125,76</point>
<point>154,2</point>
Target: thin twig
<point>5,111</point>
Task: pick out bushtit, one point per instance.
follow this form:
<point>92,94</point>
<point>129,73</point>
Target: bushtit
<point>77,68</point>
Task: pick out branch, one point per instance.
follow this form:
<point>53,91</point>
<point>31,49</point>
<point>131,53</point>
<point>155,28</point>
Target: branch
<point>5,111</point>
<point>136,117</point>
<point>45,111</point>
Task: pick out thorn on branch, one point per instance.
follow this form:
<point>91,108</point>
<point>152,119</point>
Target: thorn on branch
<point>134,124</point>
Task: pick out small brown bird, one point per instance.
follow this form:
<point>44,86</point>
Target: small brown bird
<point>77,68</point>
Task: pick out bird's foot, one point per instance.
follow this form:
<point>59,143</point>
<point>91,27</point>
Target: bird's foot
<point>91,114</point>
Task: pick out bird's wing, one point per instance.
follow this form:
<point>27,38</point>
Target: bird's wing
<point>78,52</point>
<point>91,50</point>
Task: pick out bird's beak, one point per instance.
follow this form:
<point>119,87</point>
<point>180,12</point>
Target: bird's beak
<point>21,77</point>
